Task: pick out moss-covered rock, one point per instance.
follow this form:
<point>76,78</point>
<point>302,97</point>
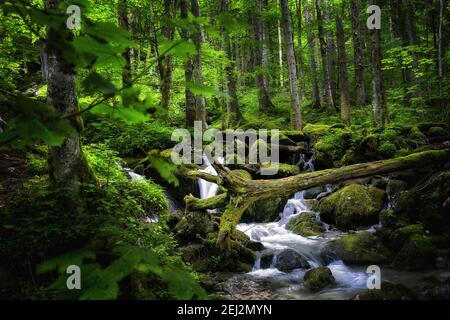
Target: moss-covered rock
<point>351,207</point>
<point>417,135</point>
<point>318,278</point>
<point>306,225</point>
<point>295,135</point>
<point>284,170</point>
<point>265,210</point>
<point>362,248</point>
<point>416,251</point>
<point>193,224</point>
<point>396,186</point>
<point>388,291</point>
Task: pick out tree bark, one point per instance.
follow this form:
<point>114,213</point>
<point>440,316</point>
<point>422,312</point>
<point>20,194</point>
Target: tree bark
<point>440,46</point>
<point>296,116</point>
<point>233,112</point>
<point>343,77</point>
<point>325,61</point>
<point>360,90</point>
<point>67,165</point>
<point>122,13</point>
<point>166,64</point>
<point>200,103</point>
<point>262,60</point>
<point>190,104</point>
<point>312,64</point>
<point>380,113</point>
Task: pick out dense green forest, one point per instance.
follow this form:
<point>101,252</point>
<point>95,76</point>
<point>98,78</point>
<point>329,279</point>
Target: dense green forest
<point>93,94</point>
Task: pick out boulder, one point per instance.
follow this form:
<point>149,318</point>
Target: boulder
<point>417,254</point>
<point>284,170</point>
<point>318,278</point>
<point>264,210</point>
<point>362,248</point>
<point>289,259</point>
<point>351,207</point>
<point>305,225</point>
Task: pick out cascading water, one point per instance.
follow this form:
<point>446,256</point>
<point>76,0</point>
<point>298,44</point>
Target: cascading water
<point>276,238</point>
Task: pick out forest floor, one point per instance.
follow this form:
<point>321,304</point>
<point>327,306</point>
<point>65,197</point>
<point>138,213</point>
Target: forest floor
<point>13,174</point>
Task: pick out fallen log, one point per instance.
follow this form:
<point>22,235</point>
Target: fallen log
<point>193,203</point>
<point>242,193</point>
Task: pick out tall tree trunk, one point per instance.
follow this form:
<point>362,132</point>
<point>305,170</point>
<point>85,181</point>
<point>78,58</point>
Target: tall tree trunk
<point>233,112</point>
<point>67,165</point>
<point>122,13</point>
<point>440,49</point>
<point>296,115</point>
<point>360,90</point>
<point>280,55</point>
<point>200,103</point>
<point>325,61</point>
<point>300,63</point>
<point>44,62</point>
<point>312,63</point>
<point>190,104</point>
<point>343,77</point>
<point>261,56</point>
<point>412,41</point>
<point>166,65</point>
<point>380,114</point>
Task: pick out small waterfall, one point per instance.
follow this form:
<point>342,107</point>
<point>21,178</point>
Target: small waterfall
<point>208,189</point>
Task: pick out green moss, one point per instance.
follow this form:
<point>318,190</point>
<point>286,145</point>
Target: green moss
<point>264,210</point>
<point>416,134</point>
<point>305,225</point>
<point>417,254</point>
<point>361,248</point>
<point>319,278</point>
<point>284,170</point>
<point>352,206</point>
<point>243,174</point>
<point>316,129</point>
<point>295,135</point>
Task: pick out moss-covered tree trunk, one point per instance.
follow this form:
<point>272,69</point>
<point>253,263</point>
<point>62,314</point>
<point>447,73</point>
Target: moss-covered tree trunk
<point>242,193</point>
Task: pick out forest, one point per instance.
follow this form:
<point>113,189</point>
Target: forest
<point>351,98</point>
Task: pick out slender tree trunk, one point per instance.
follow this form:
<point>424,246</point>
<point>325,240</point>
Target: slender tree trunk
<point>280,55</point>
<point>188,72</point>
<point>122,13</point>
<point>261,57</point>
<point>343,77</point>
<point>296,115</point>
<point>67,165</point>
<point>325,61</point>
<point>233,112</point>
<point>44,63</point>
<point>360,90</point>
<point>312,64</point>
<point>200,103</point>
<point>167,63</point>
<point>300,63</point>
<point>380,114</point>
<point>440,49</point>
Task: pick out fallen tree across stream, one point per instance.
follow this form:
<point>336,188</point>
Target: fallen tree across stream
<point>241,193</point>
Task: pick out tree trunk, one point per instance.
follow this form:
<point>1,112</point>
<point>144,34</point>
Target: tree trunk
<point>360,90</point>
<point>280,55</point>
<point>312,64</point>
<point>190,105</point>
<point>325,61</point>
<point>167,61</point>
<point>300,62</point>
<point>67,165</point>
<point>343,77</point>
<point>440,49</point>
<point>261,56</point>
<point>122,13</point>
<point>233,112</point>
<point>200,103</point>
<point>380,114</point>
<point>296,116</point>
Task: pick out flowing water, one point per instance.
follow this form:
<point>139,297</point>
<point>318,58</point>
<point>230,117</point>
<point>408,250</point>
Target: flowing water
<point>350,280</point>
